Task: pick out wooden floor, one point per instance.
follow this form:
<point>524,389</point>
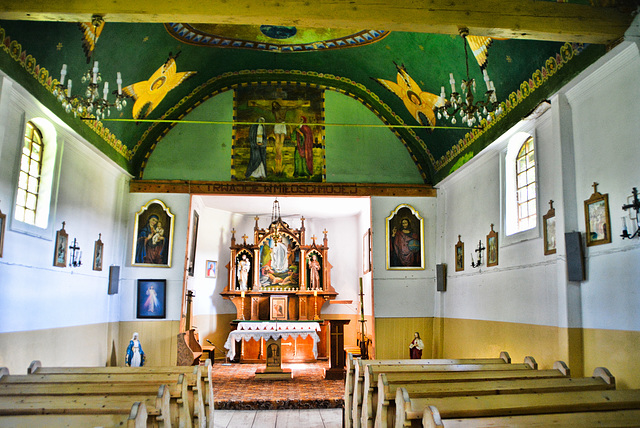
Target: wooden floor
<point>303,418</point>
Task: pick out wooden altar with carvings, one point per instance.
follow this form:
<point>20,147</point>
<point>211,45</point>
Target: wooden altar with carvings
<point>279,277</point>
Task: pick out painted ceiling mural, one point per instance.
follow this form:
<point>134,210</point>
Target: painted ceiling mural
<point>167,70</point>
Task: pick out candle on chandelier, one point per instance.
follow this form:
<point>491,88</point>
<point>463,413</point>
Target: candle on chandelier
<point>63,73</point>
<point>242,294</point>
<point>95,72</point>
<point>119,81</point>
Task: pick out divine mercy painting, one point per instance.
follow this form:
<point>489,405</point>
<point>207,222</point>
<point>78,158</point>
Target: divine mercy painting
<point>279,135</point>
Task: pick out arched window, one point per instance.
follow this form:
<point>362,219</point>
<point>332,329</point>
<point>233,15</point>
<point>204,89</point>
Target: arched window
<point>29,175</point>
<point>526,186</point>
<point>520,188</point>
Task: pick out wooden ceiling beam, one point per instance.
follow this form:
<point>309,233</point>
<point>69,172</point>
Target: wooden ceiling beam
<point>521,19</point>
<point>259,188</point>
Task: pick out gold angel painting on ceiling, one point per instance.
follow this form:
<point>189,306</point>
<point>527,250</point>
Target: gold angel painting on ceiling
<point>149,93</point>
<point>422,105</point>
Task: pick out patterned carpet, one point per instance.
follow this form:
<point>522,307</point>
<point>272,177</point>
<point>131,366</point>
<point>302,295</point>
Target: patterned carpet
<point>235,388</point>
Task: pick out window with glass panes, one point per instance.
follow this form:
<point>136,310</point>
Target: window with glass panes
<point>29,178</point>
<point>526,186</point>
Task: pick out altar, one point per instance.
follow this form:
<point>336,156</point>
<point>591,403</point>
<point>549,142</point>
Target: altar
<point>278,284</point>
<point>262,331</point>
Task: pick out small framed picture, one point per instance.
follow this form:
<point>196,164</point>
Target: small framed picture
<point>152,298</point>
<point>459,255</point>
<point>3,221</point>
<point>549,230</point>
<point>97,253</point>
<point>596,218</point>
<point>492,248</point>
<point>278,305</point>
<point>211,269</point>
<point>60,252</point>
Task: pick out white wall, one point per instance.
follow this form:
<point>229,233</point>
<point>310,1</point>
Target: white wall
<point>34,294</point>
<point>589,134</point>
<point>178,205</point>
<point>403,293</point>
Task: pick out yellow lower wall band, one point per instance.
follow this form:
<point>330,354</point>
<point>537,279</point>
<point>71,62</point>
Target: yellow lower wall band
<point>582,350</point>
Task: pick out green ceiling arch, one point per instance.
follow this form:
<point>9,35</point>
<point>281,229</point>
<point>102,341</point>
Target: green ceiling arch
<point>229,81</point>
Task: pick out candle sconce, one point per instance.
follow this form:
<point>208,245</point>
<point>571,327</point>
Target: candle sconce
<point>478,250</point>
<point>635,204</point>
<point>76,255</point>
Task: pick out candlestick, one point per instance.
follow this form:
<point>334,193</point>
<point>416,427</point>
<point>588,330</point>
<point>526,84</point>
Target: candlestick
<point>242,305</point>
<point>315,305</point>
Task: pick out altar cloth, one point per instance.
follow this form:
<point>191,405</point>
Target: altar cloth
<point>272,330</point>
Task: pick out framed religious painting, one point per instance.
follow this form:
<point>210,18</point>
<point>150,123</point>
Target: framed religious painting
<point>194,244</point>
<point>459,251</point>
<point>549,230</point>
<point>60,251</point>
<point>405,239</point>
<point>152,298</point>
<point>366,252</point>
<point>153,235</point>
<point>278,305</point>
<point>211,269</point>
<point>492,248</point>
<point>596,218</point>
<point>98,250</point>
<point>3,221</point>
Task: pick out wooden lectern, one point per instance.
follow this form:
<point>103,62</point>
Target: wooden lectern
<point>337,370</point>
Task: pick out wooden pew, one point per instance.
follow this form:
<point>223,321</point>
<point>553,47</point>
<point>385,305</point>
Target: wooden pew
<point>355,374</point>
<point>100,385</point>
<point>137,418</point>
<point>385,414</point>
<point>198,379</point>
<point>606,418</point>
<point>364,410</point>
<point>156,405</point>
<point>410,411</point>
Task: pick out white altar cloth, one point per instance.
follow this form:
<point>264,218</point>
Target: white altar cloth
<point>272,330</point>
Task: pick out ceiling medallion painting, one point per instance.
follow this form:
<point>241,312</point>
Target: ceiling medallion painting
<point>272,38</point>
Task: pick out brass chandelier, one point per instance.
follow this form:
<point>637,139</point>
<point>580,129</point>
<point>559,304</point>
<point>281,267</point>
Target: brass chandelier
<point>462,104</point>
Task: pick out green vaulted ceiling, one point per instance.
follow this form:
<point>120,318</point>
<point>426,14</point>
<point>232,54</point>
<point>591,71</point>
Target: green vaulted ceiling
<point>213,58</point>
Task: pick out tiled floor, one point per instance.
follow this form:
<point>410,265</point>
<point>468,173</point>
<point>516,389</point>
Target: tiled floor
<point>236,388</point>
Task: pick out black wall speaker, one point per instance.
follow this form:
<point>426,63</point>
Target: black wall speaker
<point>441,277</point>
<point>575,256</point>
<point>114,279</point>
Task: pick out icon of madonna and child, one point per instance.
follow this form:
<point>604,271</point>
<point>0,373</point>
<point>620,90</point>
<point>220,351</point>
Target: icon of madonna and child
<point>279,260</point>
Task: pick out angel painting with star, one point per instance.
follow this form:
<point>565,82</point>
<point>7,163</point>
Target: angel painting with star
<point>149,93</point>
<point>418,102</point>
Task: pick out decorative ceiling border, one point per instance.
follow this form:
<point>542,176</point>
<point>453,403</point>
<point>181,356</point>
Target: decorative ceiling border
<point>14,50</point>
<point>268,79</point>
<point>552,65</point>
<point>192,36</point>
